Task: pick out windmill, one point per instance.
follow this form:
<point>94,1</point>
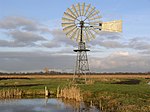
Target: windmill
<point>81,22</point>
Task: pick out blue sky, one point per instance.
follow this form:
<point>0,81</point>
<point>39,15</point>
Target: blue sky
<point>45,43</point>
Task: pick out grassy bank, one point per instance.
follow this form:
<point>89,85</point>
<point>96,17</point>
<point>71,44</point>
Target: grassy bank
<point>33,86</point>
<point>114,93</point>
<point>111,96</point>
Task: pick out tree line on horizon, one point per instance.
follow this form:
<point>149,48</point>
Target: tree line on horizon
<point>67,73</point>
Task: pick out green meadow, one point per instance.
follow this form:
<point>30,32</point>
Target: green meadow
<point>109,93</point>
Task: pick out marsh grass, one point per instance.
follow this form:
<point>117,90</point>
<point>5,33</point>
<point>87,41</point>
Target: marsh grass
<point>70,92</point>
<point>11,93</point>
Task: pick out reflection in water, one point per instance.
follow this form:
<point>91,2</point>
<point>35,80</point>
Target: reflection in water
<point>46,99</point>
<point>79,106</point>
<point>44,105</point>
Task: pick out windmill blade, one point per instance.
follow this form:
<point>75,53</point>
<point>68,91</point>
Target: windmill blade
<point>78,35</point>
<point>91,34</point>
<point>93,18</point>
<point>67,24</point>
<point>67,20</point>
<point>112,26</point>
<point>87,35</point>
<point>69,16</point>
<point>89,13</point>
<point>71,31</point>
<point>75,11</point>
<point>83,37</point>
<point>74,34</point>
<point>78,9</point>
<point>86,10</point>
<point>70,12</point>
<point>66,29</point>
<point>83,6</point>
<point>95,13</point>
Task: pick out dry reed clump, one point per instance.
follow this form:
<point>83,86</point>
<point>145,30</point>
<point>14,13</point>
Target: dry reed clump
<point>116,80</point>
<point>10,93</point>
<point>104,79</point>
<point>71,92</point>
<point>89,82</point>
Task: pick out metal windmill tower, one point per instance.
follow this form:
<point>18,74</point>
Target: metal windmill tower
<point>81,22</point>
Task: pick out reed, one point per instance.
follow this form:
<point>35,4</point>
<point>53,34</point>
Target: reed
<point>71,92</point>
<point>89,82</point>
<point>10,93</point>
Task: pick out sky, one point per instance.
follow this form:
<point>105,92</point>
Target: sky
<point>31,36</point>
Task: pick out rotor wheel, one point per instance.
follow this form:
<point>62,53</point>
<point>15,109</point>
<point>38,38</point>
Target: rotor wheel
<point>81,17</point>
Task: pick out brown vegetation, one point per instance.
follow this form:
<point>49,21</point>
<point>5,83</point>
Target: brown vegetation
<point>69,76</point>
<point>11,93</point>
<point>71,92</point>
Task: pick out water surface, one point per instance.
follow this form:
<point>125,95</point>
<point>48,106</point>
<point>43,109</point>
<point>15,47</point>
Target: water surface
<point>43,105</point>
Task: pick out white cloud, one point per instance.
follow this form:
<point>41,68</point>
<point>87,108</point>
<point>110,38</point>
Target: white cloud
<point>23,32</point>
<point>146,52</point>
<point>121,62</point>
<point>15,22</point>
<point>139,43</point>
<point>107,44</point>
<point>21,39</point>
<point>121,53</point>
<point>59,39</point>
<point>109,35</point>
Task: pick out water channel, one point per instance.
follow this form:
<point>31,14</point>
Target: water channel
<point>44,105</point>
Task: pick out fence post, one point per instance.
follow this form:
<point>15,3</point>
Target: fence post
<point>46,91</point>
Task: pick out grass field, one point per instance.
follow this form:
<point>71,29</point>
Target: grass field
<point>70,76</point>
<point>126,92</point>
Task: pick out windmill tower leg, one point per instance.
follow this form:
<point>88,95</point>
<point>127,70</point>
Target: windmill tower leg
<point>82,65</point>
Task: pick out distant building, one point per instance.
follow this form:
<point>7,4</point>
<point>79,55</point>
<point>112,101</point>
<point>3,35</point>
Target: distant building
<point>46,70</point>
